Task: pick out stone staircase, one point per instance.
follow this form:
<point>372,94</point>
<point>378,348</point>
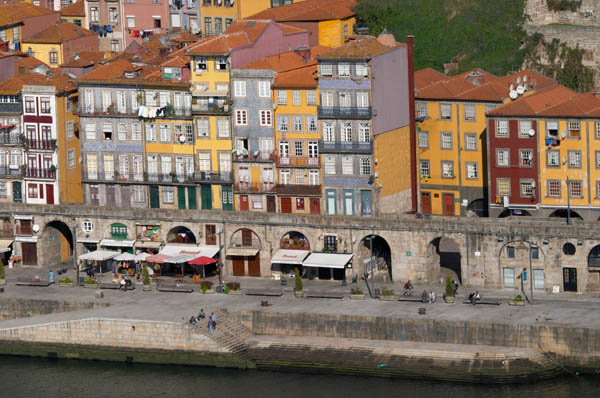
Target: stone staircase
<point>230,334</point>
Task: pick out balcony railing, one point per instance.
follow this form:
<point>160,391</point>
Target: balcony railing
<point>255,156</point>
<point>40,173</point>
<point>298,189</point>
<point>199,176</point>
<point>298,162</point>
<point>111,111</point>
<point>24,230</point>
<point>11,139</point>
<point>343,112</point>
<point>294,244</point>
<point>345,147</point>
<point>213,176</point>
<point>11,172</point>
<point>211,109</point>
<point>42,145</point>
<point>254,187</point>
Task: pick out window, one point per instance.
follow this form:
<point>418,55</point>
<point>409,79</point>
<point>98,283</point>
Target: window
<point>425,169</point>
<point>313,177</point>
<point>282,97</point>
<point>166,164</point>
<point>471,142</point>
<point>241,117</point>
<point>364,132</point>
<point>203,127</point>
<point>15,159</point>
<point>329,165</point>
<point>447,169</point>
<point>70,129</point>
<point>299,203</point>
<point>326,69</point>
<point>526,189</point>
<point>131,21</point>
<point>228,21</point>
<point>124,166</point>
<point>328,132</point>
<point>45,105</point>
<point>115,46</point>
<point>502,128</point>
<point>53,57</point>
<point>221,64</point>
<point>109,166</point>
<point>218,25</point>
<point>311,97</point>
<point>87,226</point>
<point>502,157</point>
<point>139,194</point>
<point>3,190</point>
<point>445,111</point>
<point>71,158</point>
<point>204,161</point>
<point>343,70</point>
<point>94,14</point>
<point>347,132</point>
<point>469,112</point>
<point>265,118</point>
<point>296,97</point>
<point>284,177</point>
<point>298,123</point>
<point>538,277</point>
<point>509,277</point>
<point>283,123</point>
<point>239,88</point>
<point>345,99</point>
<point>597,130</point>
<point>574,159</point>
<point>107,130</point>
<point>168,194</point>
<point>257,202</point>
<point>503,186</point>
<point>223,127</point>
<point>311,124</point>
<point>365,166</point>
<point>326,99</point>
<point>151,132</point>
<point>29,104</point>
<point>446,139</point>
<point>362,69</point>
<point>552,128</point>
<point>165,132</point>
<point>510,251</point>
<point>113,16</point>
<point>208,26</point>
<point>524,127</point>
<point>90,131</point>
<point>362,99</point>
<point>489,108</point>
<point>526,157</point>
<point>201,64</point>
<point>554,188</point>
<point>347,165</point>
<point>136,131</point>
<point>535,253</point>
<point>264,89</point>
<point>298,149</point>
<point>575,189</point>
<point>574,129</point>
<point>330,243</point>
<point>421,109</point>
<point>472,170</point>
<point>553,158</point>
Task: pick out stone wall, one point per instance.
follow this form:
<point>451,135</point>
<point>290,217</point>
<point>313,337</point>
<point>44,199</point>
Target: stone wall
<point>587,14</point>
<point>22,308</point>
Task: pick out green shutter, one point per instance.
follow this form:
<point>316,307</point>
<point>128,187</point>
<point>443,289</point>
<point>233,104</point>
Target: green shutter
<point>227,197</point>
<point>206,193</point>
<point>192,198</point>
<point>154,197</point>
<point>181,197</point>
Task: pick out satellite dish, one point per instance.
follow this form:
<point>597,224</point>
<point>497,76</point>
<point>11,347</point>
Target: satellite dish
<point>182,138</point>
<point>519,80</point>
<point>531,132</point>
<point>525,79</point>
<point>36,228</point>
<point>520,90</point>
<point>513,94</point>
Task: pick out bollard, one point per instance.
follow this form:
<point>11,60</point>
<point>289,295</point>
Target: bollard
<point>422,311</point>
<point>99,294</point>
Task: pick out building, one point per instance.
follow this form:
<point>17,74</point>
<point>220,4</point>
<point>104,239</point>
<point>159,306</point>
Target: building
<point>105,18</point>
<point>82,62</point>
<point>59,42</point>
<point>20,20</point>
<point>185,15</point>
<point>218,15</point>
<point>74,13</point>
<point>354,108</point>
<point>11,143</point>
<point>142,17</point>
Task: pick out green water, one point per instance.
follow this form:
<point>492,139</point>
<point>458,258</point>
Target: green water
<point>31,377</point>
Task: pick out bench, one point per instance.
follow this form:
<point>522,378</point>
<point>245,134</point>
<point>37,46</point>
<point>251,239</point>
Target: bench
<point>484,302</point>
<point>31,282</point>
<point>114,286</point>
<point>175,289</point>
<point>263,292</point>
<point>409,299</point>
<point>324,294</point>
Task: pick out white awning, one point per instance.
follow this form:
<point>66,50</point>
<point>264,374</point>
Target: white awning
<point>29,239</point>
<point>23,217</point>
<point>4,243</point>
<point>125,257</point>
<point>88,240</point>
<point>142,256</point>
<point>148,244</point>
<point>98,255</point>
<point>242,251</point>
<point>117,243</point>
<point>284,256</point>
<point>4,249</point>
<point>174,250</point>
<point>181,258</point>
<point>327,260</point>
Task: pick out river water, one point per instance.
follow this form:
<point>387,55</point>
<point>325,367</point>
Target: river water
<point>32,377</point>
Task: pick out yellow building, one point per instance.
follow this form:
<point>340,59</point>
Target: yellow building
<point>251,7</point>
<point>13,16</point>
<point>69,177</point>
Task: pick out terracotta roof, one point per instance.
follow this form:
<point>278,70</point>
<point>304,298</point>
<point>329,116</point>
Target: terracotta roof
<point>177,61</point>
<point>359,47</point>
<point>309,10</point>
<point>287,61</point>
<point>582,105</point>
<point>27,63</point>
<point>114,73</point>
<point>298,78</point>
<point>534,79</point>
<point>16,12</point>
<point>84,58</point>
<point>535,104</point>
<point>60,33</point>
<point>76,9</point>
<point>427,76</point>
<point>219,45</point>
<point>15,84</point>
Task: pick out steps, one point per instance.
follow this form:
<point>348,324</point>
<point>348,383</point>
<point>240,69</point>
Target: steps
<point>230,333</point>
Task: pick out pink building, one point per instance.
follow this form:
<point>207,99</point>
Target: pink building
<point>144,17</point>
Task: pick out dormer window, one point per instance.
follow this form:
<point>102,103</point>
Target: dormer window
<point>129,74</point>
<point>221,63</point>
<point>171,73</point>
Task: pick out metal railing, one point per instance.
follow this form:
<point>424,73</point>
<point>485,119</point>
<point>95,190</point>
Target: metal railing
<point>256,156</point>
<point>199,176</point>
<point>298,189</point>
<point>345,147</point>
<point>8,171</point>
<point>346,112</point>
<point>254,187</point>
<point>11,139</point>
<point>43,145</point>
<point>214,176</point>
<point>211,109</point>
<point>298,162</point>
<point>40,173</point>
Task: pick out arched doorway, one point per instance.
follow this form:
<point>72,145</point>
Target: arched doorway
<point>375,258</point>
<point>445,253</point>
<point>57,243</point>
<point>294,240</point>
<point>514,212</point>
<point>478,208</point>
<point>563,213</point>
<point>181,234</point>
<point>244,251</point>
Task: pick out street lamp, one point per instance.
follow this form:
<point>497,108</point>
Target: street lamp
<point>372,266</point>
<point>531,245</point>
<point>74,237</point>
<point>220,255</point>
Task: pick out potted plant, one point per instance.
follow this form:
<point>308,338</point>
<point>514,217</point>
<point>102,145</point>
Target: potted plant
<point>65,282</point>
<point>233,288</point>
<point>356,293</point>
<point>298,284</point>
<point>517,300</point>
<point>2,276</point>
<point>90,283</point>
<point>387,294</point>
<point>206,287</point>
<point>449,290</point>
<point>146,279</point>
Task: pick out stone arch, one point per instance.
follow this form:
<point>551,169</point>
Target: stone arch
<point>563,213</point>
<point>514,212</point>
<point>382,257</point>
<point>56,243</point>
<point>445,258</point>
<point>294,240</point>
<point>245,237</point>
<point>594,258</point>
<point>518,261</point>
<point>478,207</point>
<point>181,234</point>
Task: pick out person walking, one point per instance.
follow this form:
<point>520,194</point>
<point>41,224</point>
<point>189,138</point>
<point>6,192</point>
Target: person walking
<point>51,277</point>
<point>212,323</point>
<point>455,286</point>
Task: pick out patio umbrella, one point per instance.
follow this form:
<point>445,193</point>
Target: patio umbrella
<point>125,257</point>
<point>202,260</point>
<point>142,256</point>
<point>157,258</point>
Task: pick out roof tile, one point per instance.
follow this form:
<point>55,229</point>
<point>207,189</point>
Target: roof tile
<point>309,10</point>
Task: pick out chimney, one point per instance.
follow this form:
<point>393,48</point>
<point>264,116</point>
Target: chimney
<point>386,38</point>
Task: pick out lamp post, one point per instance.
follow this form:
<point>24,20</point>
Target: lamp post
<point>531,245</point>
<point>372,267</point>
<point>220,256</point>
<point>74,236</point>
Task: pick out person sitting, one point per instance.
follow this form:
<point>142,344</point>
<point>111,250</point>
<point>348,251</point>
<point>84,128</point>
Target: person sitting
<point>431,297</point>
<point>196,278</point>
<point>194,321</point>
<point>122,283</point>
<point>424,296</point>
<point>128,283</point>
<point>477,297</point>
<point>473,297</point>
<point>408,288</point>
<point>201,314</point>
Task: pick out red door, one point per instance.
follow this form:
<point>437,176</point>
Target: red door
<point>50,194</point>
<point>448,199</point>
<point>286,205</point>
<point>315,206</point>
<point>244,203</point>
<point>238,266</point>
<point>426,202</point>
<point>271,204</point>
<point>254,266</point>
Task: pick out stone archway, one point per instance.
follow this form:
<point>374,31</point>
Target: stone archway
<point>374,257</point>
<point>563,213</point>
<point>181,234</point>
<point>244,253</point>
<point>513,212</point>
<point>445,258</point>
<point>294,240</point>
<point>478,208</point>
<point>56,243</point>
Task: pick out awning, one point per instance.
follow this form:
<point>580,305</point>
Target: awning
<point>98,255</point>
<point>117,243</point>
<point>88,240</point>
<point>4,249</point>
<point>23,217</point>
<point>181,258</point>
<point>4,243</point>
<point>29,239</point>
<point>125,257</point>
<point>142,256</point>
<point>148,245</point>
<point>242,251</point>
<point>327,260</point>
<point>157,258</point>
<point>284,256</point>
<point>173,250</point>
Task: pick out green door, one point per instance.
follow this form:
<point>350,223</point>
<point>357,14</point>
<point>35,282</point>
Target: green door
<point>154,197</point>
<point>17,196</point>
<point>227,197</point>
<point>192,198</point>
<point>181,197</point>
<point>206,195</point>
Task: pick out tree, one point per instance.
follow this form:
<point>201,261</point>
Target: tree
<point>298,286</point>
<point>449,287</point>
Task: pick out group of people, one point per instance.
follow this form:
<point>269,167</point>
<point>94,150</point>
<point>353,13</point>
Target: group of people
<point>474,297</point>
<point>428,297</point>
<point>212,320</point>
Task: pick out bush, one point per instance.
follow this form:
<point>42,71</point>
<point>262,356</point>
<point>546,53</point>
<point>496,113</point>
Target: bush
<point>517,298</point>
<point>449,287</point>
<point>356,290</point>
<point>89,281</point>
<point>145,275</point>
<point>233,286</point>
<point>298,286</point>
<point>65,280</point>
<point>205,285</point>
<point>2,276</point>
<point>387,292</point>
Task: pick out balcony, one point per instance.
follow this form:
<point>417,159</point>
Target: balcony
<point>40,173</point>
<point>298,189</point>
<point>214,176</point>
<point>203,109</point>
<point>298,162</point>
<point>254,187</point>
<point>11,139</point>
<point>344,112</point>
<point>41,145</point>
<point>345,147</point>
<point>255,156</point>
<point>24,230</point>
<point>11,172</point>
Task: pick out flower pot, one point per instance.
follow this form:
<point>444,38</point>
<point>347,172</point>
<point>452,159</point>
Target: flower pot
<point>209,291</point>
<point>517,303</point>
<point>298,293</point>
<point>387,298</point>
<point>147,288</point>
<point>357,296</point>
<point>235,291</point>
<point>449,300</point>
<point>63,284</point>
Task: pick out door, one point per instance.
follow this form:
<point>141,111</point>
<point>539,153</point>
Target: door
<point>227,197</point>
<point>315,206</point>
<point>94,195</point>
<point>254,266</point>
<point>426,202</point>
<point>192,198</point>
<point>286,205</point>
<point>181,197</point>
<point>244,203</point>
<point>50,194</point>
<point>125,196</point>
<point>154,197</point>
<point>271,204</point>
<point>238,266</point>
<point>110,196</point>
<point>366,203</point>
<point>29,251</point>
<point>448,199</point>
<point>206,197</point>
<point>17,195</point>
<point>348,203</point>
<point>570,279</point>
<point>331,202</point>
<point>210,232</point>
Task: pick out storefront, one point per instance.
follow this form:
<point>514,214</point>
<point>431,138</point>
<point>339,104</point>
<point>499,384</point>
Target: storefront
<point>118,244</point>
<point>98,261</point>
<point>285,261</point>
<point>240,256</point>
<point>328,265</point>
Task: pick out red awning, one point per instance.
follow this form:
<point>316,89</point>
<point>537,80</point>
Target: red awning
<point>202,260</point>
<point>157,258</point>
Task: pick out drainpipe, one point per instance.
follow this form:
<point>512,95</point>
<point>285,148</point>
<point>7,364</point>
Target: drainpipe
<point>413,127</point>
